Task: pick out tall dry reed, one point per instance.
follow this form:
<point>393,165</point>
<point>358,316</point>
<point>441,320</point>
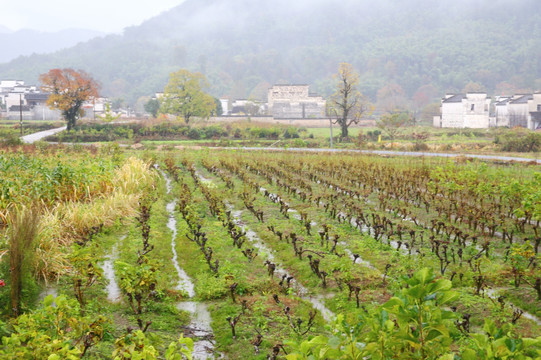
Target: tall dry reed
<point>24,227</point>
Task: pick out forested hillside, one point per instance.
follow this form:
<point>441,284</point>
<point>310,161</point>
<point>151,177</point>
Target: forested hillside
<point>408,52</point>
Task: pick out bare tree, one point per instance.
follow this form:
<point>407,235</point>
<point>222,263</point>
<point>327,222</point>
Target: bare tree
<point>347,105</point>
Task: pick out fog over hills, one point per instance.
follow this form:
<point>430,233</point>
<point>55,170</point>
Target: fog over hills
<point>27,42</point>
<point>4,30</point>
<point>401,48</point>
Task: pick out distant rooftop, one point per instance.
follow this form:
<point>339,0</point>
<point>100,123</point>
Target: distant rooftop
<point>454,98</point>
<point>523,99</point>
<point>289,85</point>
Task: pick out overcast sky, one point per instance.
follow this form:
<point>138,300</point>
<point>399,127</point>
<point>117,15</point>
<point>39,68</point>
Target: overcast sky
<point>101,15</point>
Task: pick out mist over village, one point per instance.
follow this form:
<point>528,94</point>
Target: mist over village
<point>234,179</point>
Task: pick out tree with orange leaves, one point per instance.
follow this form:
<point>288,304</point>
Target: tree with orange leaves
<point>69,89</point>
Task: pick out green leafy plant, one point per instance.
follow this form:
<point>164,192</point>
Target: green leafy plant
<point>54,331</point>
<point>411,325</point>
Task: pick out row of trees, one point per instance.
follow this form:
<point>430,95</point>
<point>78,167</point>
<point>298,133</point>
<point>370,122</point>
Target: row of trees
<point>185,96</point>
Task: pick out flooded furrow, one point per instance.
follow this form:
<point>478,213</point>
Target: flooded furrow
<point>199,327</point>
<point>493,294</point>
<point>49,290</point>
<point>267,254</point>
<point>113,290</point>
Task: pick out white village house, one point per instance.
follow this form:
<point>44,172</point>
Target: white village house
<point>18,99</point>
<point>295,102</point>
<point>469,110</point>
<point>472,110</point>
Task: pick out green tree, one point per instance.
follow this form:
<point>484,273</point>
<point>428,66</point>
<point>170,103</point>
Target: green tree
<point>152,107</point>
<point>473,87</point>
<point>347,105</point>
<point>108,115</point>
<point>184,96</point>
<point>218,111</point>
<point>392,123</point>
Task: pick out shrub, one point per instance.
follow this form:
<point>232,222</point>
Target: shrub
<point>299,143</point>
<point>374,135</point>
<point>237,134</point>
<point>12,140</point>
<point>291,133</point>
<point>519,141</point>
<point>194,133</point>
<point>214,132</point>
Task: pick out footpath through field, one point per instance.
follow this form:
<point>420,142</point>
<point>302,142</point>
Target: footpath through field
<point>32,138</point>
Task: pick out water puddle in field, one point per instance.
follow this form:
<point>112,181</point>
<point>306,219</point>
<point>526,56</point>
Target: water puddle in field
<point>49,290</point>
<point>184,281</point>
<point>113,290</point>
<point>492,293</point>
<point>199,327</point>
<point>297,216</point>
<point>318,304</point>
<point>266,253</point>
<point>358,259</point>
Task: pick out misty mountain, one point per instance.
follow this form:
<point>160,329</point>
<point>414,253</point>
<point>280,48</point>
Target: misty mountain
<point>27,42</point>
<point>4,29</point>
<point>411,49</point>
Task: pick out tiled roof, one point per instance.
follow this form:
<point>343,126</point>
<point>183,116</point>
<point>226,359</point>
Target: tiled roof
<point>36,96</point>
<point>522,99</point>
<point>454,98</point>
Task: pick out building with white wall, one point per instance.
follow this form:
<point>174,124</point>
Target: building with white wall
<point>29,101</point>
<point>295,102</point>
<point>523,110</point>
<point>534,110</point>
<point>469,110</point>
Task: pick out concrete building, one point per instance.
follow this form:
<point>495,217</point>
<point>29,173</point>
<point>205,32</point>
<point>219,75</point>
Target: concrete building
<point>469,110</point>
<point>295,102</point>
<point>522,110</point>
<point>225,106</point>
<point>27,100</point>
<point>534,110</point>
<point>501,111</point>
<point>247,107</point>
<point>518,111</point>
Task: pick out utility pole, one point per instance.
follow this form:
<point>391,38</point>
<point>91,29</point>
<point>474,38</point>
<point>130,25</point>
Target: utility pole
<point>21,113</point>
<point>330,123</point>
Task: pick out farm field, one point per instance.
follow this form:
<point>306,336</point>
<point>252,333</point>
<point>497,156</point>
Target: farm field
<point>267,255</point>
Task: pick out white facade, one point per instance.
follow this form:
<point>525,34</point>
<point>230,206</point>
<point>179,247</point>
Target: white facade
<point>225,106</point>
<point>247,107</point>
<point>517,109</point>
<point>7,85</point>
<point>295,101</point>
<point>465,111</point>
<point>501,111</point>
<point>14,99</point>
<point>534,108</point>
<point>14,93</point>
